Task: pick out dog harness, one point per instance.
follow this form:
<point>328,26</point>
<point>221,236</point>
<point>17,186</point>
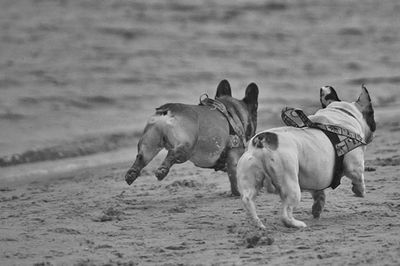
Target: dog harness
<point>236,139</point>
<point>343,140</point>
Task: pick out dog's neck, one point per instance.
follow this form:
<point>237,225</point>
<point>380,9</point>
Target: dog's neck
<point>248,119</point>
<point>345,111</point>
<point>343,114</point>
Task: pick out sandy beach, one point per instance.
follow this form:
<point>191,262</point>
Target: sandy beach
<point>78,80</point>
<point>92,217</point>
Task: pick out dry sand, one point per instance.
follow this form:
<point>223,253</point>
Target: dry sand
<point>92,217</point>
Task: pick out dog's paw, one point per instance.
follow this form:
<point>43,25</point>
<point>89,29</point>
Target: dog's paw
<point>316,214</point>
<point>300,224</point>
<point>293,223</point>
<point>261,226</point>
<point>316,210</point>
<point>131,176</point>
<point>161,173</point>
<point>235,193</point>
<point>358,192</point>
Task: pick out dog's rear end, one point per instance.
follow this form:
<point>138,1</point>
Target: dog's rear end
<point>270,162</point>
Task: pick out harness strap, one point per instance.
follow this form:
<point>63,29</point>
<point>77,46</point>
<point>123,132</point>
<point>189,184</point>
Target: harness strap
<point>338,166</point>
<point>233,119</point>
<point>349,141</point>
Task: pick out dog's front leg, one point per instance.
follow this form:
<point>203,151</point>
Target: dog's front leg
<point>319,202</point>
<point>232,159</point>
<point>354,169</point>
<point>358,184</point>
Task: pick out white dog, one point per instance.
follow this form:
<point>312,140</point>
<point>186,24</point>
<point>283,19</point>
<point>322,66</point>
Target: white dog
<point>288,160</point>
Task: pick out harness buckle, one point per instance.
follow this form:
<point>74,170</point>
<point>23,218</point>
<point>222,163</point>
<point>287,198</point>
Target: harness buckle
<point>234,141</point>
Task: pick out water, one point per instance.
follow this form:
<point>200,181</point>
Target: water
<point>77,72</point>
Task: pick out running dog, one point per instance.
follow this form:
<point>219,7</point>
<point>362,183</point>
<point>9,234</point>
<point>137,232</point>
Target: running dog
<point>288,160</point>
<point>211,135</point>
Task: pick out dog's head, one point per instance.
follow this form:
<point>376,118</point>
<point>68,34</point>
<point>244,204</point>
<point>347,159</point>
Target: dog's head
<point>248,114</point>
<point>363,105</point>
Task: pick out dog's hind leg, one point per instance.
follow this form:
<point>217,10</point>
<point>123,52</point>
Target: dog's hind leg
<point>181,135</point>
<point>250,179</point>
<point>150,144</point>
<point>248,196</point>
<point>319,202</point>
<point>178,154</point>
<point>290,195</point>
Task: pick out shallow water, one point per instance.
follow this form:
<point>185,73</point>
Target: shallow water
<point>77,70</point>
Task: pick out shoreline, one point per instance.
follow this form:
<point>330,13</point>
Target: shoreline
<point>116,152</point>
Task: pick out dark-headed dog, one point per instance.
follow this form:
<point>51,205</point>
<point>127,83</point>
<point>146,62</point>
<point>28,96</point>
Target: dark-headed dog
<point>289,160</point>
<point>198,133</point>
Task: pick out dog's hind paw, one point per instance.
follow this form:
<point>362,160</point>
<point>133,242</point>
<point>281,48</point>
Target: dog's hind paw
<point>260,224</point>
<point>131,176</point>
<point>161,173</point>
<point>299,224</point>
<point>293,223</point>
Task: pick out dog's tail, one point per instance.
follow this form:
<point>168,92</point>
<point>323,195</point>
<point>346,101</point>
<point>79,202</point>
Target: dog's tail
<point>266,140</point>
<point>252,174</point>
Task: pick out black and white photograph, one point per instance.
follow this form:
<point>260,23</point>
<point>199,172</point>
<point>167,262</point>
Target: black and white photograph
<point>203,132</point>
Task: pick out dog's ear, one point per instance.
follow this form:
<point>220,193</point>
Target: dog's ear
<point>224,88</point>
<point>251,95</point>
<point>365,106</point>
<point>364,99</point>
<point>327,94</point>
<point>251,101</point>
